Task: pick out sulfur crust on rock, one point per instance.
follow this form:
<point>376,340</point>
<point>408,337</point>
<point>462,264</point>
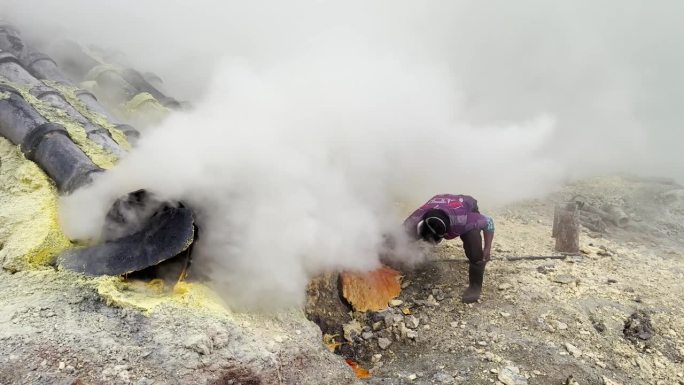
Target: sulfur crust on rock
<point>29,231</point>
<point>146,296</point>
<point>70,94</point>
<point>145,110</point>
<point>77,133</point>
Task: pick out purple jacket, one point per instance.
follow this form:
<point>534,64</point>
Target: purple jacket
<point>462,211</point>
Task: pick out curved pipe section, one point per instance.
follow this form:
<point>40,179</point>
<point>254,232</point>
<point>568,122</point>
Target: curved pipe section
<point>45,143</point>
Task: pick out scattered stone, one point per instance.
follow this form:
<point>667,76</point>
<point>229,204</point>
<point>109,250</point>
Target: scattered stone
<point>396,318</point>
<point>644,366</point>
<point>453,324</point>
<point>426,327</point>
<point>390,320</point>
<point>536,373</point>
<point>431,301</point>
<point>367,335</point>
<point>599,326</point>
<point>601,364</point>
<point>412,377</point>
<point>491,357</point>
<point>61,366</point>
<point>510,375</point>
<point>439,294</point>
<point>69,369</point>
<point>199,343</point>
<point>564,279</point>
<point>412,322</point>
<point>376,358</point>
<point>384,343</point>
<point>572,349</point>
<point>395,302</point>
<point>376,326</point>
<point>608,381</point>
<point>504,314</point>
<point>638,327</point>
<point>561,325</point>
<point>405,284</point>
<point>443,378</point>
<point>482,343</point>
<point>570,381</point>
<point>504,286</point>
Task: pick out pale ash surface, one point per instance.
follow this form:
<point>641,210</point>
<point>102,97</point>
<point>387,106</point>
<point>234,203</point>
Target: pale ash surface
<point>542,321</point>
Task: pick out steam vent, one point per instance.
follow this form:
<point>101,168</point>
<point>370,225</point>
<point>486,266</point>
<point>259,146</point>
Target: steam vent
<point>140,317</point>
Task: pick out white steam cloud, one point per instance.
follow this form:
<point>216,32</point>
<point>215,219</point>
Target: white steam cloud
<point>314,119</point>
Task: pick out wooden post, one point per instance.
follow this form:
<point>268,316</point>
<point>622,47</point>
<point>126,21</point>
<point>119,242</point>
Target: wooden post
<point>566,228</point>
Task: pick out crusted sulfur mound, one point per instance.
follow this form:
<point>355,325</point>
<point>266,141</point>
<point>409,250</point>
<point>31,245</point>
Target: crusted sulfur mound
<point>29,231</point>
<point>146,296</point>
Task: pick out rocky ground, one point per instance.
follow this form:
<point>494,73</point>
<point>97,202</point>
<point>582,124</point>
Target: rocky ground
<point>55,328</point>
<point>613,315</point>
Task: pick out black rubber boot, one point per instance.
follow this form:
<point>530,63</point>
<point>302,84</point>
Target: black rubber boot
<point>475,276</point>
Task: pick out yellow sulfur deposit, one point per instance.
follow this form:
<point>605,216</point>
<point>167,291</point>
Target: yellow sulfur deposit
<point>148,295</point>
<point>30,235</point>
<point>70,94</point>
<point>29,231</point>
<point>77,133</point>
<point>144,110</point>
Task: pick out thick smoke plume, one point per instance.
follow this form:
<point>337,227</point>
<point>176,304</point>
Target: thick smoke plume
<point>317,125</point>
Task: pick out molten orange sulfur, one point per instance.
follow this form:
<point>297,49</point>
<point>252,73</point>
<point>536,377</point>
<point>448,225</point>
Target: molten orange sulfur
<point>371,290</point>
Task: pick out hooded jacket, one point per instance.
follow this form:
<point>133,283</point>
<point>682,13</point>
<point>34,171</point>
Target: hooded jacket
<point>462,211</point>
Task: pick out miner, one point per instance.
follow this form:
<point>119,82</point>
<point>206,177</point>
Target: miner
<point>449,216</point>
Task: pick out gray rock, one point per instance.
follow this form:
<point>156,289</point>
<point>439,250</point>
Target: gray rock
<point>199,343</point>
<point>510,375</point>
<point>367,335</point>
<point>504,286</point>
<point>608,381</point>
<point>564,279</point>
<point>395,302</point>
<point>443,378</point>
<point>351,330</point>
<point>396,319</point>
<point>412,322</point>
<point>384,343</point>
<point>572,349</point>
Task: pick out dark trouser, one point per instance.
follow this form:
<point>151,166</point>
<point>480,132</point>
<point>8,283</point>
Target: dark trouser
<point>472,245</point>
